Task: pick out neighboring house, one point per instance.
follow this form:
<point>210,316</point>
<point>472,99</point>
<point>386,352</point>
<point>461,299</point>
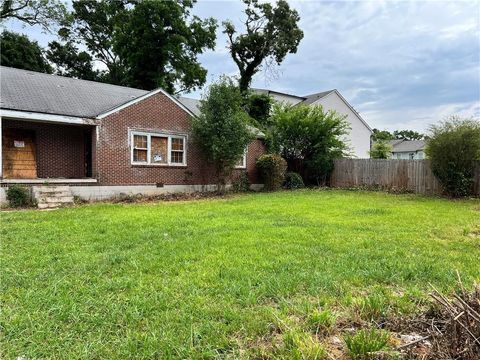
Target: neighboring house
<point>100,139</point>
<point>359,135</point>
<point>407,149</point>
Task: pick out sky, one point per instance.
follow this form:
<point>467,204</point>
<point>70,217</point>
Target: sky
<point>401,64</point>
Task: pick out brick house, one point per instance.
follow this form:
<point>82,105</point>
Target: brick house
<point>100,139</point>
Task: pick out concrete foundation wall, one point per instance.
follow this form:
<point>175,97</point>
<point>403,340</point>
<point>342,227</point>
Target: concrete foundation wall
<point>96,193</point>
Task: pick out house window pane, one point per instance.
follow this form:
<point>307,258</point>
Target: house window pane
<point>139,155</point>
<point>177,144</point>
<point>140,150</point>
<point>177,149</point>
<point>159,150</point>
<point>140,141</point>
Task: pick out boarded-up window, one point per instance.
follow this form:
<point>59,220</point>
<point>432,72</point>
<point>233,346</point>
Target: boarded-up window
<point>159,150</point>
<point>140,148</point>
<point>177,150</point>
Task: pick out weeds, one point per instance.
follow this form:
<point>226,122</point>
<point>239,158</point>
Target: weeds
<point>364,343</point>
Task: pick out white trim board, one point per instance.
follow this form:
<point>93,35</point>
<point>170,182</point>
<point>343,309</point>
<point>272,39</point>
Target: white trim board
<point>27,115</point>
<point>143,97</point>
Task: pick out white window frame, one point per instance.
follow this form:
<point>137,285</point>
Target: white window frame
<point>244,160</point>
<point>149,135</point>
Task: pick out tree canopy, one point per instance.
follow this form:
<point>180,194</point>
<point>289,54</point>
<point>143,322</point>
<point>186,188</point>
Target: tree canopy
<point>145,44</point>
<point>45,13</point>
<point>385,135</point>
<point>18,51</point>
<point>271,33</point>
<point>221,130</point>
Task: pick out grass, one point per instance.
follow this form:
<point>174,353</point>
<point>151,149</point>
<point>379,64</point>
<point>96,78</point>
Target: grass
<point>240,277</point>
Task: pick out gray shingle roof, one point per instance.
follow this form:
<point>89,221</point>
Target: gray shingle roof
<point>407,145</point>
<point>32,91</point>
<point>309,99</point>
<point>190,104</point>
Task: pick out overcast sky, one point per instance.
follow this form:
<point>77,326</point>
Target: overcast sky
<point>400,64</point>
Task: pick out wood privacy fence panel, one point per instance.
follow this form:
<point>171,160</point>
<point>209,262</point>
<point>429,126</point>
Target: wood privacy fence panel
<point>406,175</point>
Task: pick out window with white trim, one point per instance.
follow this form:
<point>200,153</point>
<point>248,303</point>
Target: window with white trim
<point>242,164</point>
<point>158,149</point>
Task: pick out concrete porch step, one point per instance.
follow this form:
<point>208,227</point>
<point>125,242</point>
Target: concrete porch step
<point>52,196</point>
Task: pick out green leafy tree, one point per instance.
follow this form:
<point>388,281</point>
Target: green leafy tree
<point>221,130</point>
<point>271,33</point>
<point>143,44</point>
<point>72,62</point>
<point>45,13</point>
<point>453,148</point>
<point>18,51</point>
<point>159,43</point>
<point>259,107</point>
<point>408,135</point>
<point>381,150</point>
<point>382,135</point>
<point>309,138</point>
<point>95,25</point>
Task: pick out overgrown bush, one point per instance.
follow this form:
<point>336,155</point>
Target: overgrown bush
<point>222,129</point>
<point>272,169</point>
<point>453,148</point>
<point>309,138</point>
<point>240,183</point>
<point>18,196</point>
<point>293,180</point>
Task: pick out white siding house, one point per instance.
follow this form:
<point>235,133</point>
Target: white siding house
<point>359,135</point>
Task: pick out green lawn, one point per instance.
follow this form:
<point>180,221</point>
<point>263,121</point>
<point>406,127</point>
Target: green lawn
<point>224,277</point>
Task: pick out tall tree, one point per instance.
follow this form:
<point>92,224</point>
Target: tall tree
<point>271,33</point>
<point>71,62</point>
<point>159,43</point>
<point>45,13</point>
<point>94,26</point>
<point>18,51</point>
<point>144,44</point>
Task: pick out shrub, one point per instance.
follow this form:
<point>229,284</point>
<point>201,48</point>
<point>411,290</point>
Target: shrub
<point>293,180</point>
<point>381,150</point>
<point>272,170</point>
<point>453,148</point>
<point>240,183</point>
<point>221,130</point>
<point>309,138</point>
<point>18,196</point>
<point>364,343</point>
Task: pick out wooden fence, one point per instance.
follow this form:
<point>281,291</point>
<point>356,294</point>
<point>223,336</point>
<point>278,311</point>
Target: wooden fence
<point>403,175</point>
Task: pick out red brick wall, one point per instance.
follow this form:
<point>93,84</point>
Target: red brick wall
<point>160,114</point>
<point>59,148</point>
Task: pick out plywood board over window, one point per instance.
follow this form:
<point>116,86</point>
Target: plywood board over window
<point>19,155</point>
<point>159,150</point>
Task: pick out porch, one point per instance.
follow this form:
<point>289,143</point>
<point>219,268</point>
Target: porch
<point>36,152</point>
